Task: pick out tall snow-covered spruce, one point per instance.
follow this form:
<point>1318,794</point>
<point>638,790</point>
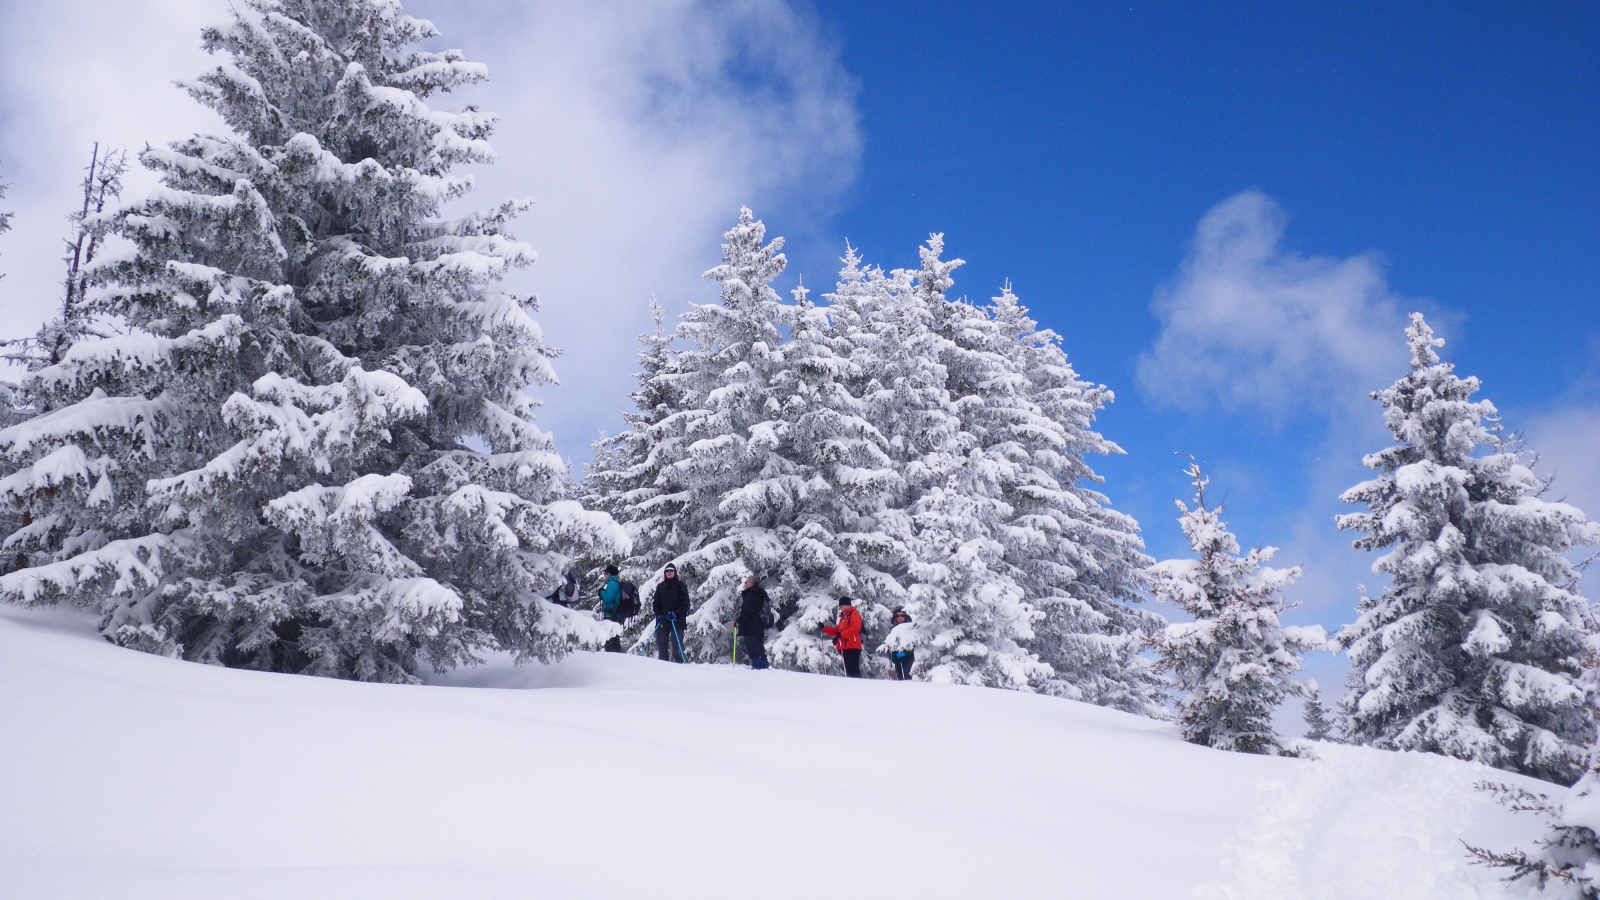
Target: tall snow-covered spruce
<point>1318,726</point>
<point>276,467</point>
<point>747,455</point>
<point>976,620</point>
<point>622,478</point>
<point>1079,561</point>
<point>1234,663</point>
<point>1476,648</point>
<point>719,479</point>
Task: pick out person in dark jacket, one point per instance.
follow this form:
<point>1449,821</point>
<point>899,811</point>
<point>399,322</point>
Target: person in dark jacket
<point>671,601</point>
<point>847,637</point>
<point>752,621</point>
<point>567,592</point>
<point>903,660</point>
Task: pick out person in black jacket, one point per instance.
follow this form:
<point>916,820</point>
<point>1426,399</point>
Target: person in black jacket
<point>567,592</point>
<point>752,622</point>
<point>671,599</point>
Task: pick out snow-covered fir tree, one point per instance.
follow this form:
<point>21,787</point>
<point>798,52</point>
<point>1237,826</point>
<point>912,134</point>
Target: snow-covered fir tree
<point>1318,726</point>
<point>1234,662</point>
<point>964,597</point>
<point>1476,647</point>
<point>623,478</point>
<point>274,467</point>
<point>1078,561</point>
<point>719,439</point>
<point>838,549</point>
<point>878,325</point>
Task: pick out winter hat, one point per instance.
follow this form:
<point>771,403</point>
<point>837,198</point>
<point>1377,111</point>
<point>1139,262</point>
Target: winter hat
<point>844,601</point>
<point>611,570</point>
<point>670,568</point>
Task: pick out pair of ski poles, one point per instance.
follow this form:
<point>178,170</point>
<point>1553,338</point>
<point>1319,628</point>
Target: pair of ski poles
<point>676,638</point>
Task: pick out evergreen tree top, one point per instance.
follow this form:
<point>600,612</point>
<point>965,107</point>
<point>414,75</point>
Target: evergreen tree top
<point>356,81</point>
<point>1420,339</point>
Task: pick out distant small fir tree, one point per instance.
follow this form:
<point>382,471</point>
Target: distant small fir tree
<point>1234,663</point>
<point>1318,726</point>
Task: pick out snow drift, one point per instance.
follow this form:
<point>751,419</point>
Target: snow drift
<point>125,775</point>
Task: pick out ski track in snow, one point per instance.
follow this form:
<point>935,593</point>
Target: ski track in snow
<point>129,776</point>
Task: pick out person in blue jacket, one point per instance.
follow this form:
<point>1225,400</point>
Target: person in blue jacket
<point>611,605</point>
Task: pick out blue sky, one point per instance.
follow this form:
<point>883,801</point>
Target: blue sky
<point>1225,208</point>
<point>1451,152</point>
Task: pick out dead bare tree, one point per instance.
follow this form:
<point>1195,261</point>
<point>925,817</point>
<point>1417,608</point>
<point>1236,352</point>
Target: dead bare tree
<point>102,185</point>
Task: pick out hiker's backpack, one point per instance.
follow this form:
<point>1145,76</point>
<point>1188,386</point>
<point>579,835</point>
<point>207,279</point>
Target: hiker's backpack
<point>628,603</point>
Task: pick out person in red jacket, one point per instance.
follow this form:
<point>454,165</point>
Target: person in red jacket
<point>846,636</point>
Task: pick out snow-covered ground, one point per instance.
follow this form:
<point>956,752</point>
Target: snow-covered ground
<point>129,776</point>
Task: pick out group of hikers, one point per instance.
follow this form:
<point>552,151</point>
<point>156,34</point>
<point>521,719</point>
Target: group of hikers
<point>670,603</point>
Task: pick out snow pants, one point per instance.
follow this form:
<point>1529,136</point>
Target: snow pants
<point>755,647</point>
<point>903,660</point>
<point>852,662</point>
<point>667,642</point>
<point>615,644</point>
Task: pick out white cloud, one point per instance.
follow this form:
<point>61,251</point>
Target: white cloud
<point>1251,325</point>
<point>639,127</point>
<point>1567,439</point>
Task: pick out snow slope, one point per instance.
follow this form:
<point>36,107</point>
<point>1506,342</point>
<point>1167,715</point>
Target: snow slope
<point>124,775</point>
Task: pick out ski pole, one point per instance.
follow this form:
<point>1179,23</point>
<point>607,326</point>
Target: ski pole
<point>735,657</point>
<point>677,638</point>
<point>644,643</point>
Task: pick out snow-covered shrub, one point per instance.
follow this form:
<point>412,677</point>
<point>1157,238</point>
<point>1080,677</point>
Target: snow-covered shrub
<point>1476,647</point>
<point>277,466</point>
<point>1234,663</point>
